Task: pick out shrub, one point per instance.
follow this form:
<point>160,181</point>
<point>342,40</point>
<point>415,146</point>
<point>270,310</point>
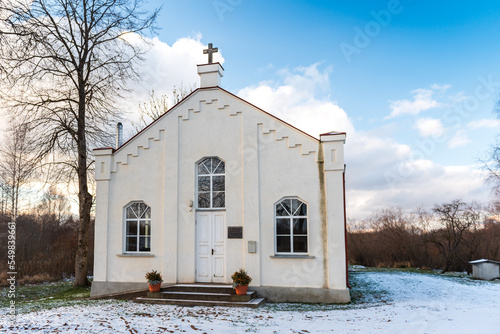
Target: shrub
<point>241,278</point>
<point>154,277</point>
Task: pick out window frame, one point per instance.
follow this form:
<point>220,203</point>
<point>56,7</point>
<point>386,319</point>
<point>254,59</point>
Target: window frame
<point>291,235</point>
<point>211,191</point>
<point>138,235</point>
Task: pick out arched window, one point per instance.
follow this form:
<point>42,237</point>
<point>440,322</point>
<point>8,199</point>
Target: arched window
<point>137,227</point>
<point>291,226</point>
<point>211,184</point>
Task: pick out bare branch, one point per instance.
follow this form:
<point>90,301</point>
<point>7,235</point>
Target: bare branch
<point>63,65</point>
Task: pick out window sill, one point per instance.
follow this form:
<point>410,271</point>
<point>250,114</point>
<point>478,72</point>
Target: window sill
<point>291,256</point>
<point>135,255</point>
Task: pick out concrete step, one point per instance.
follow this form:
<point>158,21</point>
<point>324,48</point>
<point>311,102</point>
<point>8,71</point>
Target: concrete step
<point>195,295</point>
<point>256,302</point>
<point>201,295</point>
<point>207,288</point>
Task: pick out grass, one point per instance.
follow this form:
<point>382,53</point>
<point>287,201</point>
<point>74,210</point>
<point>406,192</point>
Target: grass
<point>364,293</point>
<point>398,270</point>
<point>459,277</point>
<point>34,297</point>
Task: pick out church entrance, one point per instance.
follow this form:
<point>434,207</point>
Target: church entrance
<point>210,246</point>
<point>210,220</point>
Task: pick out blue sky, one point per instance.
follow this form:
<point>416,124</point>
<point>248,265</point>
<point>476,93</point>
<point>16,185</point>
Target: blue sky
<point>412,82</point>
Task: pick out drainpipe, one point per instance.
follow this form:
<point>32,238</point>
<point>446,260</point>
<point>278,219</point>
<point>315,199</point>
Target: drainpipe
<point>345,235</point>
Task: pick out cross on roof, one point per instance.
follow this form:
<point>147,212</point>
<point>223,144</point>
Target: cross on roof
<point>210,51</point>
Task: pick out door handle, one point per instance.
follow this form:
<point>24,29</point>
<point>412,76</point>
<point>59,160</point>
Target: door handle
<point>213,250</point>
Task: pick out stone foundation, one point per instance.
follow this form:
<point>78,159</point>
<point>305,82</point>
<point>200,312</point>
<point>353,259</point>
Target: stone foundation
<point>271,293</point>
<point>102,289</point>
<point>303,295</point>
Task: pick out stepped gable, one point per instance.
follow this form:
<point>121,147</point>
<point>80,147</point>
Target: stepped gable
<point>269,126</point>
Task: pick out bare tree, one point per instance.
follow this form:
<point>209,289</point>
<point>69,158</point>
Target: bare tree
<point>400,234</point>
<point>4,193</point>
<point>455,233</point>
<point>490,234</point>
<point>54,204</point>
<point>17,163</point>
<point>151,110</point>
<point>64,64</point>
<point>158,105</point>
<point>491,164</point>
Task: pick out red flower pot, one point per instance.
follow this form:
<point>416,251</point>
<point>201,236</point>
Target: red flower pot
<point>241,290</point>
<point>154,288</point>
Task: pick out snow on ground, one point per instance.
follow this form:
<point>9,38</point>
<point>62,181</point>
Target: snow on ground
<point>411,303</point>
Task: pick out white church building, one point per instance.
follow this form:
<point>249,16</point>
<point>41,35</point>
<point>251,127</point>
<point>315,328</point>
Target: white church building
<point>217,184</point>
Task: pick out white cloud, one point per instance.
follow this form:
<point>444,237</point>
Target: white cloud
<point>377,179</point>
<point>441,87</point>
<point>166,66</point>
<point>380,170</point>
<point>294,99</point>
<point>430,127</point>
<point>459,97</point>
<point>436,186</point>
<point>367,156</point>
<point>459,139</point>
<point>422,100</point>
<point>484,123</point>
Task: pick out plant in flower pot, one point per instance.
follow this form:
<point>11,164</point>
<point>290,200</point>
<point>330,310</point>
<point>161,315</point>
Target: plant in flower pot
<point>240,281</point>
<point>154,280</point>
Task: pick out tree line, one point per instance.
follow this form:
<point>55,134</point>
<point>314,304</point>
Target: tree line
<point>46,237</point>
<point>446,237</point>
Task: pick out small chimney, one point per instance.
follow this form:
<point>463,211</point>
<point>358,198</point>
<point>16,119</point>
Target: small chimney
<point>119,135</point>
<point>210,75</point>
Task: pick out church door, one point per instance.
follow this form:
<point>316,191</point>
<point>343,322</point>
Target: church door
<point>210,227</point>
<point>210,221</point>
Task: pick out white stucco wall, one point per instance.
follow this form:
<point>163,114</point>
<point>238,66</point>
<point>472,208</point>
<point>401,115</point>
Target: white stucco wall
<point>266,160</point>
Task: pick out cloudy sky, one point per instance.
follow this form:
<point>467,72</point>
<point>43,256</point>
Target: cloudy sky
<point>413,83</point>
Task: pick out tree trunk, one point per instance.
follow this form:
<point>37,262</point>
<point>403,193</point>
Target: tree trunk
<point>84,197</point>
<point>16,201</point>
<point>83,237</point>
<point>13,197</point>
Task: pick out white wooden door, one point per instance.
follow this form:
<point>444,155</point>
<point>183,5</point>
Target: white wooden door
<point>210,246</point>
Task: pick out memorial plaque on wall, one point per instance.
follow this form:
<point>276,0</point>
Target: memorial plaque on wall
<point>235,232</point>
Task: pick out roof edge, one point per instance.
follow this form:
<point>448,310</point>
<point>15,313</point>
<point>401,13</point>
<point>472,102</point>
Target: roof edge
<point>228,92</point>
<point>267,113</point>
<point>156,120</point>
<point>483,261</point>
<point>103,148</point>
<point>333,133</point>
